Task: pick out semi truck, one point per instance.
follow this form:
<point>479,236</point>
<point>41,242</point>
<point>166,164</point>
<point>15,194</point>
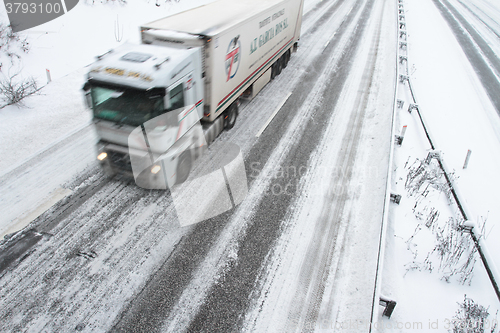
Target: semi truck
<point>156,105</point>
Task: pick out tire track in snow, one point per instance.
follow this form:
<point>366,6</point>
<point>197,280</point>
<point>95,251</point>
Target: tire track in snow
<point>477,16</point>
<point>328,240</point>
<point>86,265</point>
<point>280,276</point>
<point>176,273</point>
<point>239,283</point>
<point>224,314</point>
<point>485,62</point>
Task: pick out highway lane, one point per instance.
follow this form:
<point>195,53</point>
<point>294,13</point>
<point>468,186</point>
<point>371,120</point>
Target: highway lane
<point>480,54</point>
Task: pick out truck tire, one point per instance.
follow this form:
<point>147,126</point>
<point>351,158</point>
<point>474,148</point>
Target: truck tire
<point>183,167</point>
<point>279,66</point>
<point>230,116</point>
<point>286,58</point>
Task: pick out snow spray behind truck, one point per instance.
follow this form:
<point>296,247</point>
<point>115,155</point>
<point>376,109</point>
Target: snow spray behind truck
<point>158,104</point>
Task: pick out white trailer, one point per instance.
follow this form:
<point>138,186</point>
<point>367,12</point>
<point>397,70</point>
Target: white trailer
<point>191,66</point>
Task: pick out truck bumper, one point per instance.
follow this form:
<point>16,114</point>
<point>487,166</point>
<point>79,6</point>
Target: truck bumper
<point>118,160</point>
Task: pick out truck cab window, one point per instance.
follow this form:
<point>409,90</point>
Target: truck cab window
<point>176,96</point>
<point>125,105</point>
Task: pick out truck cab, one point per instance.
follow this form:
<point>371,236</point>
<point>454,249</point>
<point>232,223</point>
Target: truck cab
<point>147,101</point>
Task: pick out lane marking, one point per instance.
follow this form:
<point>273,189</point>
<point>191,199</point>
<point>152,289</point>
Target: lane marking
<point>273,115</point>
<point>50,201</point>
<point>326,44</point>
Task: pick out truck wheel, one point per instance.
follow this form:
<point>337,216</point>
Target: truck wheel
<point>230,116</point>
<point>286,58</point>
<point>279,66</point>
<point>273,71</point>
<point>109,171</point>
<point>183,167</point>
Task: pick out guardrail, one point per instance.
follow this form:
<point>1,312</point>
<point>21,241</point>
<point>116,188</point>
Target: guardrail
<point>467,226</point>
<point>377,300</point>
<point>461,203</point>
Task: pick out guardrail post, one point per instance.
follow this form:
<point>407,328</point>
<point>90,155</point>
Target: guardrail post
<point>466,163</point>
<point>412,107</point>
<point>432,154</point>
<point>399,138</point>
<point>396,198</point>
<point>388,304</point>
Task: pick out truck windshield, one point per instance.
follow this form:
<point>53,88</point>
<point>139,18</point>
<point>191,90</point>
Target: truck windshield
<point>126,106</point>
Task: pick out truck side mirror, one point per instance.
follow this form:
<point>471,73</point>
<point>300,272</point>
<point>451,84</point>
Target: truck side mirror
<point>166,100</point>
<point>87,97</point>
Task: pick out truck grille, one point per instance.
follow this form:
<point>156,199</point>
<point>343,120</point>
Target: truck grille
<point>120,160</point>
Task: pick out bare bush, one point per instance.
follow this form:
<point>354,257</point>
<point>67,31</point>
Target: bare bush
<point>454,250</point>
<point>423,177</point>
<point>13,90</point>
<point>472,318</point>
<point>11,45</point>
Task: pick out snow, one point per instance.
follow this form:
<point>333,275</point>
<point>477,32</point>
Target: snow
<point>217,260</point>
<point>57,114</point>
<point>52,142</point>
<point>459,116</point>
<point>456,107</point>
<point>289,297</point>
<point>71,41</point>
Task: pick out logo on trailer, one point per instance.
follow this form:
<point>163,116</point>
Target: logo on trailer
<point>233,56</point>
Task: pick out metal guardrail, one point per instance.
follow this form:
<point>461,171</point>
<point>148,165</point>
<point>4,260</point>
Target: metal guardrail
<point>376,301</point>
<point>461,203</point>
<point>468,225</point>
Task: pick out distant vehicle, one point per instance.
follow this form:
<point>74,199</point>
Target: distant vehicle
<point>158,104</point>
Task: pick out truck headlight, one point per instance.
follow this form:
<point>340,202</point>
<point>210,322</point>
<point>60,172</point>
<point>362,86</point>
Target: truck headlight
<point>155,169</point>
<point>102,156</point>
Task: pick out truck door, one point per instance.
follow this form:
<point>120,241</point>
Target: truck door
<point>189,89</point>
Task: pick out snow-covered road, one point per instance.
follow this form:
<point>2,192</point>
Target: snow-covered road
<point>298,254</point>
